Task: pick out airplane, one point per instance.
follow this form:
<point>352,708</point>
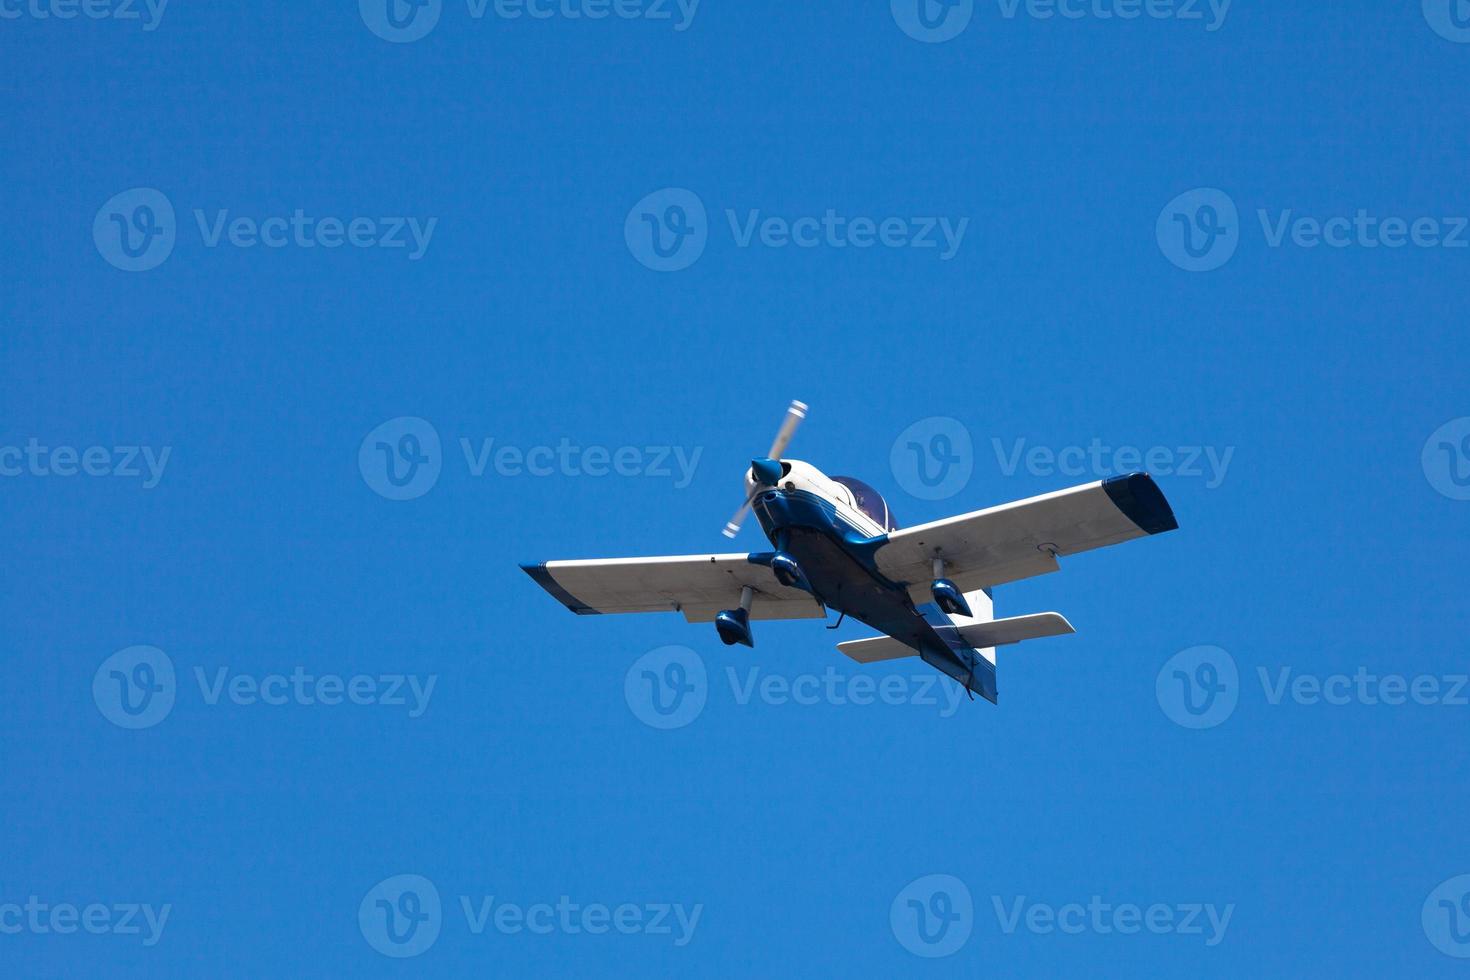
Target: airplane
<point>928,589</point>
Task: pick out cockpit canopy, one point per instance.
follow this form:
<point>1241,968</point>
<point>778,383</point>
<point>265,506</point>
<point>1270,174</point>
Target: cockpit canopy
<point>869,501</point>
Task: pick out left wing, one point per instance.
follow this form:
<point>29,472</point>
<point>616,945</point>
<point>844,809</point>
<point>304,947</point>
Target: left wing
<point>699,586</point>
<point>1021,539</point>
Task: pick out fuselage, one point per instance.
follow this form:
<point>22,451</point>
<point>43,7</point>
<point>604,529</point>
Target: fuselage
<point>832,527</point>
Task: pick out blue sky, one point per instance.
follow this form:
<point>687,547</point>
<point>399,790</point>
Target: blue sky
<point>334,226</point>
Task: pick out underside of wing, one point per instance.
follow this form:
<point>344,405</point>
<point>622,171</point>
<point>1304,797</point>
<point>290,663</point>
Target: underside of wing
<point>699,586</point>
<point>1023,539</point>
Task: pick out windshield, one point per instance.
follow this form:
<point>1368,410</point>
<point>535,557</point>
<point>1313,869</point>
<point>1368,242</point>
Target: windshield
<point>869,501</point>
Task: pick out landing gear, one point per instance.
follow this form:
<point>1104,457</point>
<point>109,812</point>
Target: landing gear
<point>788,572</point>
<point>947,595</point>
<point>733,625</point>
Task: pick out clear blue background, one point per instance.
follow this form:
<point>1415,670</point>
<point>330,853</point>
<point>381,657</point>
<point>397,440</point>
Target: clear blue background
<point>529,321</point>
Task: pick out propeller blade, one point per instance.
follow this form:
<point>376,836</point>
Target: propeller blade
<point>794,414</point>
<point>732,526</point>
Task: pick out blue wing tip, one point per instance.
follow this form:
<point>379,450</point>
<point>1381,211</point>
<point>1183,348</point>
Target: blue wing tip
<point>1142,502</point>
<point>543,577</point>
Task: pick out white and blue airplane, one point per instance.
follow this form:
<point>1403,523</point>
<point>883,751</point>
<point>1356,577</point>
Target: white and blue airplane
<point>928,589</point>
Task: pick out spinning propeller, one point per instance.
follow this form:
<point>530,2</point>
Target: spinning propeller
<point>766,469</point>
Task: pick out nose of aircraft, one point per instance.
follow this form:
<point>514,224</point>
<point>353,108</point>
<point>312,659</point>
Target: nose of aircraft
<point>766,471</point>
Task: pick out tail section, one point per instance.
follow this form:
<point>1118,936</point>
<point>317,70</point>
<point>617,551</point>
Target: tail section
<point>965,647</point>
<point>970,641</point>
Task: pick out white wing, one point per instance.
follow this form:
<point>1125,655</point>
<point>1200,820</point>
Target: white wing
<point>699,586</point>
<point>1022,539</point>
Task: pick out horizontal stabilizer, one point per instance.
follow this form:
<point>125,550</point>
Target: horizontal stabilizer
<point>999,632</point>
<point>875,649</point>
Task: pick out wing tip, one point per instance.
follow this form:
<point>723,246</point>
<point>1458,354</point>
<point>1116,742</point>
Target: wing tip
<point>1142,502</point>
<point>543,578</point>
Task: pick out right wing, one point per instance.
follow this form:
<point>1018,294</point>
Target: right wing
<point>699,586</point>
<point>1021,539</point>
